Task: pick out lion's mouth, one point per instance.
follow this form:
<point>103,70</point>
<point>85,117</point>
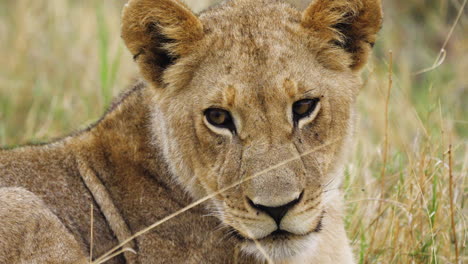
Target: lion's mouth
<point>279,234</point>
<point>276,235</point>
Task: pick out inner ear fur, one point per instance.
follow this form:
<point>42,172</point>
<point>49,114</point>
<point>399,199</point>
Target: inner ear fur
<point>344,25</point>
<point>157,33</point>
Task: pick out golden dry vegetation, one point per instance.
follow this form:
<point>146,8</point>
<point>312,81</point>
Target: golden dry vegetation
<point>62,61</point>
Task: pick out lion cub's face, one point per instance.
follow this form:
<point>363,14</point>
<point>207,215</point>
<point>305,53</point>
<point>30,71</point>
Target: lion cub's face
<point>255,88</point>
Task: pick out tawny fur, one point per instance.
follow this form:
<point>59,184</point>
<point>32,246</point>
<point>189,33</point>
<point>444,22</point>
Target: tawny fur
<point>154,153</point>
<point>31,233</point>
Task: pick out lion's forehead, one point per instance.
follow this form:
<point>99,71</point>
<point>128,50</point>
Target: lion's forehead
<point>247,66</point>
<point>238,16</point>
<point>251,30</point>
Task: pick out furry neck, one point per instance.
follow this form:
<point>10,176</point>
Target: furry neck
<point>129,166</point>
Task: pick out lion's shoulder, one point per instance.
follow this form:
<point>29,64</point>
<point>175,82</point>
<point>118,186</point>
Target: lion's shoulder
<point>31,233</point>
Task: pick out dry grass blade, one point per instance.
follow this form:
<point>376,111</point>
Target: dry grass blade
<point>443,53</point>
<point>116,254</point>
<point>452,217</point>
<point>438,61</point>
<point>387,102</point>
<point>400,205</point>
<point>258,245</point>
<point>385,150</point>
<point>91,235</point>
<point>210,196</point>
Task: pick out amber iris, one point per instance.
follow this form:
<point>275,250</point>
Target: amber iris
<point>304,108</point>
<point>219,118</point>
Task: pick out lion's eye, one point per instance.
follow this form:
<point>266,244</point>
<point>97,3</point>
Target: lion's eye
<point>220,118</point>
<point>304,108</point>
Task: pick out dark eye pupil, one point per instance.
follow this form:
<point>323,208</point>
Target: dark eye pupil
<point>304,108</point>
<point>301,108</point>
<point>220,118</point>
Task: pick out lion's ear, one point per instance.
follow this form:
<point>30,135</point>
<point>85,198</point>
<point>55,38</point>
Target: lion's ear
<point>157,33</point>
<point>349,25</point>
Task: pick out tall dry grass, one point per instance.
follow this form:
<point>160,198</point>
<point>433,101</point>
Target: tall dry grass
<point>62,61</point>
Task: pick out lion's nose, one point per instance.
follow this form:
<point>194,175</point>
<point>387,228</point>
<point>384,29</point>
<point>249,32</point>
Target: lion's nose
<point>278,212</point>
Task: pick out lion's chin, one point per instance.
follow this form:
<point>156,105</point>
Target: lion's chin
<point>282,247</point>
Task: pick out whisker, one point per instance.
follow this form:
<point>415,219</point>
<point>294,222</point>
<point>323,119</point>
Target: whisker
<point>214,214</point>
<point>221,227</point>
<point>322,175</point>
<point>228,235</point>
<point>330,181</point>
<point>329,190</point>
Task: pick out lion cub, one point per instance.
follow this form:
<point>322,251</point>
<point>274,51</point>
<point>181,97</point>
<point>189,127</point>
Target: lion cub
<point>249,89</point>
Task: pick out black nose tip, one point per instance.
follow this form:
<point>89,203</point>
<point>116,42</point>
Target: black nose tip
<point>277,213</point>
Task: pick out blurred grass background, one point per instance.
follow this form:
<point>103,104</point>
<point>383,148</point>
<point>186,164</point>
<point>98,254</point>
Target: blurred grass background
<point>62,61</point>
